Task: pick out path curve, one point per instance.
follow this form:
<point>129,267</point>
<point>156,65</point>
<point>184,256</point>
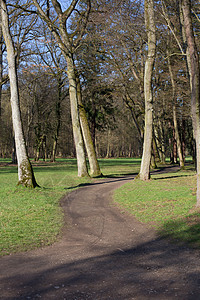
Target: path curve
<point>103,254</point>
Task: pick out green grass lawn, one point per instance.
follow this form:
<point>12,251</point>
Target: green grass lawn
<point>30,218</point>
<point>166,202</point>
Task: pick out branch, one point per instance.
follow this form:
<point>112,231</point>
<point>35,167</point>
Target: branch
<point>169,24</point>
<point>70,9</point>
<point>82,32</point>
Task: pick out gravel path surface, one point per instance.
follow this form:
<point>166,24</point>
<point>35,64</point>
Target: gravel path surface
<point>103,254</point>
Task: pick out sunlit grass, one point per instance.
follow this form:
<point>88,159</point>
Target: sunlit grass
<point>30,218</point>
<point>166,202</point>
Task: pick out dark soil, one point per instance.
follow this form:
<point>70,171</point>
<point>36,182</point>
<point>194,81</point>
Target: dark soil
<point>103,254</point>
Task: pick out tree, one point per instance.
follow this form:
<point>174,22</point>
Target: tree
<point>25,171</point>
<point>68,41</point>
<point>193,65</point>
<point>147,145</point>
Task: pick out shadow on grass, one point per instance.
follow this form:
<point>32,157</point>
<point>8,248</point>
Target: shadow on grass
<point>174,176</point>
<point>104,181</point>
<point>184,230</point>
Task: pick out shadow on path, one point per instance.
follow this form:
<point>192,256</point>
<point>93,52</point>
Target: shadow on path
<point>152,270</point>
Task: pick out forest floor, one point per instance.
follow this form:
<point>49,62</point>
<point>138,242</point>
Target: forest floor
<point>103,253</point>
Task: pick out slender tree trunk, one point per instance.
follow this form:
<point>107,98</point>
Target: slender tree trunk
<point>78,138</point>
<point>25,172</point>
<point>177,136</point>
<point>174,148</point>
<point>162,139</point>
<point>153,154</point>
<point>159,143</point>
<point>108,154</point>
<point>94,165</point>
<point>54,149</point>
<point>193,65</point>
<point>58,113</point>
<point>14,156</point>
<point>150,27</point>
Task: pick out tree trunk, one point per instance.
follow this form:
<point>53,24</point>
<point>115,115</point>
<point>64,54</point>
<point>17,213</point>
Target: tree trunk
<point>94,165</point>
<point>1,66</point>
<point>58,113</point>
<point>108,154</point>
<point>193,65</point>
<point>14,156</point>
<point>159,140</point>
<point>78,138</point>
<point>150,27</point>
<point>174,148</point>
<point>177,136</point>
<point>25,172</point>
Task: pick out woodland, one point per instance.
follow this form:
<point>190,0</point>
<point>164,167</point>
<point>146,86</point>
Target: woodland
<point>99,79</point>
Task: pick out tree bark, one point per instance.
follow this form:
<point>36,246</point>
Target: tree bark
<point>159,140</point>
<point>25,172</point>
<point>78,138</point>
<point>1,65</point>
<point>58,119</point>
<point>177,135</point>
<point>193,65</point>
<point>150,27</point>
<point>94,165</point>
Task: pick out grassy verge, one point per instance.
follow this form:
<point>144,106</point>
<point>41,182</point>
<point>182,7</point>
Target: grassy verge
<point>31,218</point>
<point>166,202</point>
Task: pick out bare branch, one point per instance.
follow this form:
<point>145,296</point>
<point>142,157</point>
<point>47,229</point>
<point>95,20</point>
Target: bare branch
<point>169,24</point>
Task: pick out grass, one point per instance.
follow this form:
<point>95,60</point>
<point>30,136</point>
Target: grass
<point>166,202</point>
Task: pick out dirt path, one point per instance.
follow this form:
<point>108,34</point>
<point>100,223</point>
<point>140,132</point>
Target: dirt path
<point>103,254</point>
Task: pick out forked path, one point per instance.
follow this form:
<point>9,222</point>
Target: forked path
<point>103,254</point>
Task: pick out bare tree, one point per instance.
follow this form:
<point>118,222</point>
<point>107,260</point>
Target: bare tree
<point>68,43</point>
<point>147,145</point>
<point>25,172</point>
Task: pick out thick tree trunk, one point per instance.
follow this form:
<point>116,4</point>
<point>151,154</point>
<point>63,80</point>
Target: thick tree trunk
<point>78,138</point>
<point>25,172</point>
<point>193,65</point>
<point>94,165</point>
<point>150,27</point>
